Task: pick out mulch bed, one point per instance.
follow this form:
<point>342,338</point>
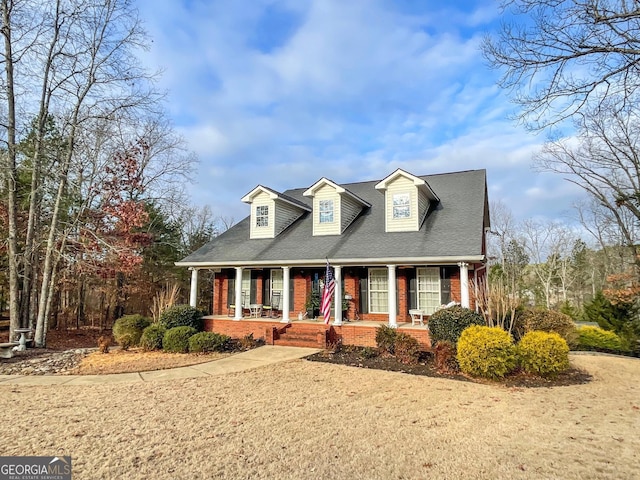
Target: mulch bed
<point>357,357</point>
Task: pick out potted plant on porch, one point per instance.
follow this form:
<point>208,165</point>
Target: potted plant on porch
<point>312,304</point>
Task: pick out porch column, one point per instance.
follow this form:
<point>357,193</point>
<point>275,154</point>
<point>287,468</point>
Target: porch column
<point>238,300</point>
<point>285,295</point>
<point>393,308</point>
<point>337,295</point>
<point>193,296</point>
<point>464,284</point>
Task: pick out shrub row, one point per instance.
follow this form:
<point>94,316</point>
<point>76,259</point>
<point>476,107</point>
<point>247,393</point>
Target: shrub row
<point>490,352</point>
<point>595,338</point>
<point>178,330</point>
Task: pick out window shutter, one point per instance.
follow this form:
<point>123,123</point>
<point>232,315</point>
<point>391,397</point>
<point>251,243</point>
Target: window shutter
<point>364,293</point>
<point>253,290</point>
<point>445,285</point>
<point>231,292</point>
<point>266,287</point>
<point>290,291</point>
<point>413,288</point>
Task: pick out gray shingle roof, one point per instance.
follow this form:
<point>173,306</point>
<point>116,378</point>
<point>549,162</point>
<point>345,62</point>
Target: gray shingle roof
<point>454,228</point>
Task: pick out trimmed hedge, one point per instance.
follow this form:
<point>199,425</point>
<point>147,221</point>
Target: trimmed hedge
<point>152,337</point>
<point>449,323</point>
<point>596,338</point>
<point>176,340</point>
<point>543,353</point>
<point>486,352</point>
<point>540,320</point>
<point>181,316</point>
<point>208,342</point>
<point>127,330</point>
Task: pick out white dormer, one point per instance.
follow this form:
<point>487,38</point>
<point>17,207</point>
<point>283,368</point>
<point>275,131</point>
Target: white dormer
<point>407,200</point>
<point>334,207</point>
<point>271,212</point>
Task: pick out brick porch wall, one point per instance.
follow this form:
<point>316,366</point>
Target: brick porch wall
<point>358,335</point>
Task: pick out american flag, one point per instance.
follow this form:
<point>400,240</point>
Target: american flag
<point>327,294</point>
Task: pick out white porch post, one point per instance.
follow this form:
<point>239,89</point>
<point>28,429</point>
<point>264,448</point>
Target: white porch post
<point>193,295</point>
<point>464,284</point>
<point>393,309</point>
<point>285,295</point>
<point>238,300</point>
<point>337,275</point>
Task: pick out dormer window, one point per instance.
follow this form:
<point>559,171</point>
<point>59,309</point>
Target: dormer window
<point>272,212</point>
<point>407,200</point>
<point>334,207</point>
<point>262,216</point>
<point>326,211</point>
<point>401,205</point>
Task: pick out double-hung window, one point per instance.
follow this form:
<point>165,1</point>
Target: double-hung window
<point>401,205</point>
<point>326,211</point>
<point>378,290</point>
<point>276,282</point>
<point>428,289</point>
<point>262,216</point>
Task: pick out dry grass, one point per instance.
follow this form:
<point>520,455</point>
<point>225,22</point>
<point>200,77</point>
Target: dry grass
<point>304,420</point>
<point>125,361</point>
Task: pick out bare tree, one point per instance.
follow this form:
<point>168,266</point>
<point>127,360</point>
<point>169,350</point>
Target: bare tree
<point>560,56</point>
<point>503,228</point>
<point>604,161</point>
<point>548,245</point>
<point>72,63</point>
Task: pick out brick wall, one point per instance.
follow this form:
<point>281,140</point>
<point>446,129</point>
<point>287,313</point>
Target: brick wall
<point>359,335</point>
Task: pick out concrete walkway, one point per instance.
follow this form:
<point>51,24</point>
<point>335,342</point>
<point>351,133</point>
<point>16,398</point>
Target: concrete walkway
<point>255,358</point>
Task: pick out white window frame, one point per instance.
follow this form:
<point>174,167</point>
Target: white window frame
<point>325,211</point>
<point>246,287</point>
<point>277,279</point>
<point>401,205</point>
<point>262,216</point>
<point>426,285</point>
<point>383,290</point>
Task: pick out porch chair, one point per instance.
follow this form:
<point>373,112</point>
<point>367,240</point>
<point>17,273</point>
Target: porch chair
<point>244,306</point>
<point>275,304</point>
<point>417,316</point>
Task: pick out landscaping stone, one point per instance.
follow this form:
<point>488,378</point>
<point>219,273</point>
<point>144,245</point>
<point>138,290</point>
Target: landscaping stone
<point>46,363</point>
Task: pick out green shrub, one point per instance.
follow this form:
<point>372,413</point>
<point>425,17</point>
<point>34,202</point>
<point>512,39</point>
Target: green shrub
<point>596,338</point>
<point>540,320</point>
<point>208,342</point>
<point>486,352</point>
<point>181,316</point>
<point>543,353</point>
<point>448,323</point>
<point>406,348</point>
<point>128,329</point>
<point>386,338</point>
<point>368,352</point>
<point>176,339</point>
<point>152,337</point>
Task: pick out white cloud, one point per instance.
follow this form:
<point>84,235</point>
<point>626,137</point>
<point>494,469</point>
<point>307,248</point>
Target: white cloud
<point>354,91</point>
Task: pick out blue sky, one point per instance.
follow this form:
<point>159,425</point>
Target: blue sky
<point>282,93</point>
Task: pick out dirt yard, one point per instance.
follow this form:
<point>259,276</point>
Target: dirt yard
<point>312,420</point>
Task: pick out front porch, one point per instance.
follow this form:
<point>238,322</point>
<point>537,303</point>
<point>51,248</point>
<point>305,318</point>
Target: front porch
<point>310,333</point>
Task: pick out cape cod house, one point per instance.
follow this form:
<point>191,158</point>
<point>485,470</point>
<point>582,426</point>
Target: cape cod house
<point>400,244</point>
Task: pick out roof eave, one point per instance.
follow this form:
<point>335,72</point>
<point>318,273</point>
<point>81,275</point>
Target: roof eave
<point>312,262</point>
